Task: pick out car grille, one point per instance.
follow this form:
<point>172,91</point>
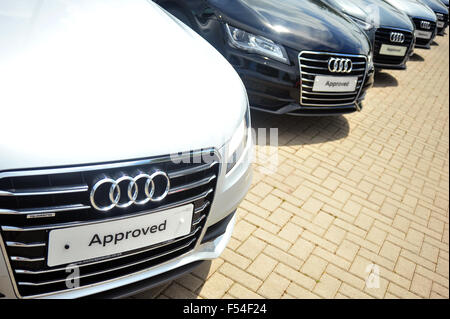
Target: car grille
<point>444,19</point>
<point>432,29</point>
<point>382,36</point>
<point>316,63</point>
<point>63,195</point>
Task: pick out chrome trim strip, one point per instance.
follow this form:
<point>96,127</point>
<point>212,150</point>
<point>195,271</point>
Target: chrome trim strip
<point>87,168</point>
<point>202,208</point>
<point>74,224</point>
<point>25,259</point>
<point>24,245</point>
<point>192,170</point>
<point>199,220</point>
<point>44,210</point>
<point>192,185</point>
<point>46,191</point>
<point>37,272</point>
<point>328,93</point>
<point>21,283</point>
<point>331,100</point>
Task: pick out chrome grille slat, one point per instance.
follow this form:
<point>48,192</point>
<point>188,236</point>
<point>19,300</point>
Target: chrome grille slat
<point>189,171</point>
<point>24,245</point>
<point>192,185</point>
<point>50,192</point>
<point>309,98</point>
<point>334,99</point>
<point>46,191</point>
<point>25,259</point>
<point>30,272</point>
<point>44,210</point>
<point>21,283</point>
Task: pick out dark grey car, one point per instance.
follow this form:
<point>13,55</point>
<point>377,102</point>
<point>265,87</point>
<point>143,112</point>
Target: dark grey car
<point>423,18</point>
<point>391,30</point>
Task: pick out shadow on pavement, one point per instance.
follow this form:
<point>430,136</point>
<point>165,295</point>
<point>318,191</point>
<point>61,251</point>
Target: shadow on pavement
<point>191,285</point>
<point>416,57</point>
<point>299,130</point>
<point>383,79</point>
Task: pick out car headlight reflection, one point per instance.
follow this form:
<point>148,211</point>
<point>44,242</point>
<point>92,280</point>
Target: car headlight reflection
<point>238,142</point>
<point>246,41</point>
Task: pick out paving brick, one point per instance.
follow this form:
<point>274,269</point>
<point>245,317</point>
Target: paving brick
<point>335,234</point>
<point>262,266</point>
<point>314,267</point>
<point>216,286</point>
<point>251,247</point>
<point>283,257</point>
<point>240,292</point>
<point>405,268</point>
<point>327,286</point>
<point>376,236</point>
<point>390,251</point>
<point>295,276</point>
<point>274,286</point>
<point>429,252</point>
<point>421,286</point>
<point>300,292</point>
<point>290,232</point>
<point>240,276</point>
<point>347,250</point>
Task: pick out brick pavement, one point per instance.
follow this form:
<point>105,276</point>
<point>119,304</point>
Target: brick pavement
<point>370,188</point>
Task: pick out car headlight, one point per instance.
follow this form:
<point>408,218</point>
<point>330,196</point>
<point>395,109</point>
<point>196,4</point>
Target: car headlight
<point>370,61</point>
<point>256,44</point>
<point>362,24</point>
<point>238,142</point>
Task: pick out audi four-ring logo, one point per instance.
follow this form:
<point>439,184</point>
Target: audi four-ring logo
<point>425,25</point>
<point>397,37</point>
<point>340,65</point>
<point>140,190</point>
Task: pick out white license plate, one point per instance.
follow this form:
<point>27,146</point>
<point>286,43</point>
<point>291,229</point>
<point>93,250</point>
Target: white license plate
<point>335,83</point>
<point>423,34</point>
<point>394,50</point>
<point>440,24</point>
<point>81,243</point>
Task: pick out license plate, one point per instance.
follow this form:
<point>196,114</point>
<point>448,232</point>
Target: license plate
<point>82,243</point>
<point>335,83</point>
<point>440,24</point>
<point>423,34</point>
<point>394,50</point>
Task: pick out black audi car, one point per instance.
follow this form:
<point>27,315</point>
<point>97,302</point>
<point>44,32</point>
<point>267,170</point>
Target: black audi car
<point>392,30</point>
<point>298,57</point>
<point>441,12</point>
<point>423,17</point>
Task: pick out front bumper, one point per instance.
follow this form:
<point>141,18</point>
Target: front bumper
<point>230,191</point>
<point>274,87</point>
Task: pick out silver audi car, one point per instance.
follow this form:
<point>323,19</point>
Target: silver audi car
<point>121,165</point>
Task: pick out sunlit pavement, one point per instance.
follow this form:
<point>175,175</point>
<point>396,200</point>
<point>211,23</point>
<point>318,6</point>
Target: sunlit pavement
<point>352,196</point>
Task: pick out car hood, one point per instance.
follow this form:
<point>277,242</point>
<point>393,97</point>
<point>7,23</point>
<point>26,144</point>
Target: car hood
<point>414,9</point>
<point>97,81</point>
<point>300,25</point>
<point>380,13</point>
<point>436,6</point>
